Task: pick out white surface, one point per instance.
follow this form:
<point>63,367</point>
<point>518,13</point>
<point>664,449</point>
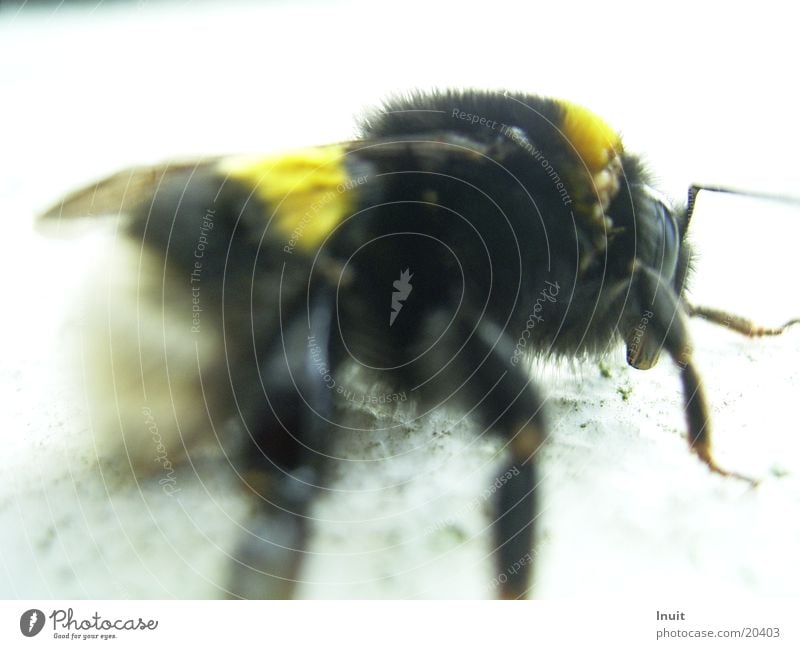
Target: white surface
<point>626,509</point>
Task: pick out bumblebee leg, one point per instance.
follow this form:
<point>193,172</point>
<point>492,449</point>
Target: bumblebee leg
<point>735,322</point>
<point>669,326</point>
<point>269,558</point>
<point>516,510</point>
<point>508,402</point>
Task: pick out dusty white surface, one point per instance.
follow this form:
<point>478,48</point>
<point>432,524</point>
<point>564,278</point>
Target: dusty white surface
<point>625,509</point>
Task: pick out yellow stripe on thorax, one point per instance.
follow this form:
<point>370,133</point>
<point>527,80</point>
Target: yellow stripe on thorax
<point>305,189</point>
<point>594,140</point>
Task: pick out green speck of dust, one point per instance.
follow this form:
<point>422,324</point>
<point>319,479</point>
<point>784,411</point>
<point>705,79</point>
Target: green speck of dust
<point>778,471</point>
<point>605,371</point>
<point>625,391</point>
<point>455,534</point>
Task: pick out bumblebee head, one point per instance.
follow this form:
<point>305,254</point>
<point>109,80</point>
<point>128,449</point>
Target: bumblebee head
<point>660,264</point>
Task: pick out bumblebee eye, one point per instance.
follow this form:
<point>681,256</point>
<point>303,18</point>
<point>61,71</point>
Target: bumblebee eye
<point>671,243</point>
<point>659,239</point>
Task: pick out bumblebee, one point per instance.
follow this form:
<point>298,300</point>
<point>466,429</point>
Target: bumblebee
<point>464,235</point>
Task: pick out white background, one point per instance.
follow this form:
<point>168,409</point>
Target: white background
<point>707,92</point>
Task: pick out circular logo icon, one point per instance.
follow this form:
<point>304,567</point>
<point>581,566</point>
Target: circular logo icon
<point>31,622</point>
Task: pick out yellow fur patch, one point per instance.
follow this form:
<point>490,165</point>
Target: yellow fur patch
<point>306,190</point>
<point>594,140</point>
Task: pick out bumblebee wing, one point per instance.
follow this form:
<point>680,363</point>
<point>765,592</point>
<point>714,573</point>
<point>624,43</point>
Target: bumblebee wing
<point>294,185</point>
<point>113,196</point>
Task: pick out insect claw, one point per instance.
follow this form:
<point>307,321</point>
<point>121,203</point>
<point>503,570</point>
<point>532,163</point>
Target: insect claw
<point>705,455</point>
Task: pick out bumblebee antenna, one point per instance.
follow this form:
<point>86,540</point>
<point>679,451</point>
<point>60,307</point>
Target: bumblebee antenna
<point>695,189</point>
